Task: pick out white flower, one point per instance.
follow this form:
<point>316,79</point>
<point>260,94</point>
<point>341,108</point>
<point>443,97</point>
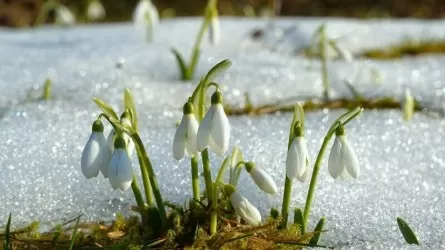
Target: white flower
<point>120,170</point>
<point>214,129</point>
<point>261,178</point>
<point>245,209</point>
<point>185,136</point>
<point>343,162</point>
<point>145,13</point>
<point>297,160</point>
<point>64,16</point>
<point>96,10</point>
<point>214,33</point>
<point>96,153</point>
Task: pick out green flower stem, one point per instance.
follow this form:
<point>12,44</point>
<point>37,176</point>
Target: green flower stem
<point>324,62</point>
<point>44,10</point>
<point>195,178</point>
<point>207,174</point>
<point>286,201</point>
<point>214,214</point>
<point>196,50</point>
<point>139,200</point>
<point>349,116</point>
<point>145,180</point>
<point>152,178</point>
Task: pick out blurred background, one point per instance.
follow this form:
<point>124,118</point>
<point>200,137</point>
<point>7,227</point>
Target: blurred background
<point>23,13</point>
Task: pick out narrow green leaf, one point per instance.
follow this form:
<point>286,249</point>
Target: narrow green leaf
<point>129,105</point>
<point>407,232</point>
<point>181,63</point>
<point>236,156</point>
<point>317,232</point>
<point>6,243</point>
<point>106,108</point>
<point>299,219</point>
<point>193,62</point>
<point>247,101</point>
<point>47,89</point>
<point>74,235</point>
<point>217,69</point>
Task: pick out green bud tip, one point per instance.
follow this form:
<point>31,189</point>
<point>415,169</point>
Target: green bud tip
<point>125,115</point>
<point>188,108</point>
<point>217,97</point>
<point>98,126</point>
<point>298,130</point>
<point>229,189</point>
<point>340,130</point>
<point>274,213</point>
<point>249,166</point>
<point>119,142</point>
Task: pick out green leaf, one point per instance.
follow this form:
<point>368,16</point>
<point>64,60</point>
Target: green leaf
<point>317,232</point>
<point>106,108</point>
<point>299,219</point>
<point>47,87</point>
<point>236,156</point>
<point>74,235</point>
<point>129,105</point>
<point>181,63</point>
<point>274,213</point>
<point>407,232</point>
<point>193,62</point>
<point>217,69</point>
<point>6,243</point>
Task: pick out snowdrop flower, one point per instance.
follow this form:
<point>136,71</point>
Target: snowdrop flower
<point>125,119</point>
<point>185,136</point>
<point>243,207</point>
<point>96,153</point>
<point>297,159</point>
<point>214,129</point>
<point>214,33</point>
<point>64,16</point>
<point>261,178</point>
<point>145,14</point>
<point>408,105</point>
<point>343,162</point>
<point>120,170</point>
<point>96,10</point>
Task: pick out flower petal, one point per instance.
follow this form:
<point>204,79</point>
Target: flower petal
<point>90,161</point>
<point>302,155</point>
<point>179,140</point>
<point>110,139</point>
<point>292,161</point>
<point>192,130</point>
<point>203,135</point>
<point>220,131</point>
<point>120,170</point>
<point>350,160</point>
<point>335,165</point>
<point>245,209</point>
<point>263,180</point>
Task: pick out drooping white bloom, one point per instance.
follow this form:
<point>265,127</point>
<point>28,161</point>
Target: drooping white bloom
<point>120,170</point>
<point>245,209</point>
<point>261,178</point>
<point>145,14</point>
<point>408,105</point>
<point>96,153</point>
<point>214,129</point>
<point>64,16</point>
<point>297,159</point>
<point>214,31</point>
<point>343,162</point>
<point>96,10</point>
<point>185,136</point>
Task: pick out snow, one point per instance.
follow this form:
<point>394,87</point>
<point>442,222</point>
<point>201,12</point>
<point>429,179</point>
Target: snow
<point>402,162</point>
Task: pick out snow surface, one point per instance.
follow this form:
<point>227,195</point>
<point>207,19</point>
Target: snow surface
<point>402,162</point>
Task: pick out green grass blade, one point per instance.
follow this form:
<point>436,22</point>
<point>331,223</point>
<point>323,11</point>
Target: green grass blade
<point>407,232</point>
<point>317,232</point>
<point>106,108</point>
<point>181,63</point>
<point>74,235</point>
<point>47,89</point>
<point>6,243</point>
<point>129,105</point>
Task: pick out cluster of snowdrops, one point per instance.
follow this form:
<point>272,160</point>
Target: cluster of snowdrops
<point>201,129</point>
